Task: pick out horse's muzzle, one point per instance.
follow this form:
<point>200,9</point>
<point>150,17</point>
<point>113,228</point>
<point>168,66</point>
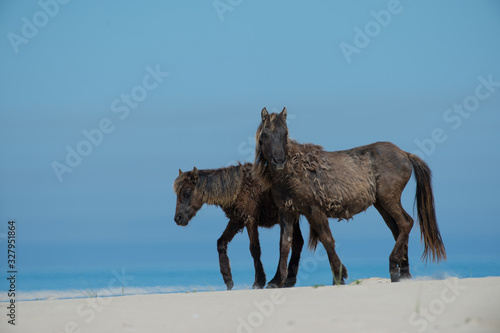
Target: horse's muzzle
<point>180,220</point>
<point>279,164</point>
<point>280,167</point>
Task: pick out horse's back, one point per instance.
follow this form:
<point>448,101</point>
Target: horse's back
<point>379,156</point>
<point>390,167</point>
<point>340,183</point>
<point>346,182</point>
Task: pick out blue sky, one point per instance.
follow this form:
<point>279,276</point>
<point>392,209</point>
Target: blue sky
<point>163,85</point>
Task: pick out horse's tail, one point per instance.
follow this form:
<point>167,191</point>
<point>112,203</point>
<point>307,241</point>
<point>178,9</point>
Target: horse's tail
<point>429,230</point>
<point>313,239</point>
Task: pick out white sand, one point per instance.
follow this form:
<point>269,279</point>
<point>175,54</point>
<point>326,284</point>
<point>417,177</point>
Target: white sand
<point>452,305</point>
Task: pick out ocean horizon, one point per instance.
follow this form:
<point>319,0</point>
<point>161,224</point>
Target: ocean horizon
<point>104,281</point>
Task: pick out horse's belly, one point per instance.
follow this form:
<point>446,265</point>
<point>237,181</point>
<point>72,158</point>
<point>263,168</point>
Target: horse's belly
<point>344,202</point>
<point>347,211</point>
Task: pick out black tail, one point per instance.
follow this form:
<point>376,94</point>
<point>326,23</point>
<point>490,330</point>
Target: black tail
<point>429,230</point>
<point>313,239</point>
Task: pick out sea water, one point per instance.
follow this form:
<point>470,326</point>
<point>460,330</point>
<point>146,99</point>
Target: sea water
<point>84,282</point>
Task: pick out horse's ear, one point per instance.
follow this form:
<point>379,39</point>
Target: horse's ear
<point>180,172</point>
<point>284,113</point>
<point>195,175</point>
<point>264,114</point>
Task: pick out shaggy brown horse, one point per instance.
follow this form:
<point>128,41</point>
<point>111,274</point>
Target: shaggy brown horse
<point>245,203</point>
<point>306,180</point>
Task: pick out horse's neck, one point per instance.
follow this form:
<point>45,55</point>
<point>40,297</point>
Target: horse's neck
<point>295,162</point>
<point>212,197</point>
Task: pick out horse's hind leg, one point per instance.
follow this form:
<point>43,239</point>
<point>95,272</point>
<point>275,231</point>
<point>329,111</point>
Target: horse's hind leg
<point>404,265</point>
<point>293,265</point>
<point>400,224</point>
<point>225,267</point>
<point>253,235</point>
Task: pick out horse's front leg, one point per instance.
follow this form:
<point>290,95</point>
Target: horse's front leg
<point>286,236</point>
<point>319,221</point>
<point>225,267</point>
<point>293,265</point>
<point>253,235</point>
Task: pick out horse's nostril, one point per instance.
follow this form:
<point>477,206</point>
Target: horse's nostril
<point>178,218</point>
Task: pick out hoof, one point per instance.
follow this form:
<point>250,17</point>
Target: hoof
<point>229,285</point>
<point>395,276</point>
<point>339,279</point>
<point>405,276</point>
<point>257,285</point>
<point>272,285</point>
<point>290,282</point>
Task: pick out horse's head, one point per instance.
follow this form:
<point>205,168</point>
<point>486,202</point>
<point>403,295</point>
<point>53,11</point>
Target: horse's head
<point>189,198</point>
<point>271,140</point>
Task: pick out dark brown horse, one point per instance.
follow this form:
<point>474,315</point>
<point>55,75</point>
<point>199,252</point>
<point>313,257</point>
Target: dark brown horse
<point>306,180</point>
<point>245,203</point>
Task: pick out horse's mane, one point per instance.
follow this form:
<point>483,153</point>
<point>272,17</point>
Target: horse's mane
<point>220,186</point>
<point>179,181</point>
<point>217,186</point>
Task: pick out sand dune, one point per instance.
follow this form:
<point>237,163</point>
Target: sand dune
<point>374,305</point>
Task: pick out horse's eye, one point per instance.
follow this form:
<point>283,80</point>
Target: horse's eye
<point>186,194</point>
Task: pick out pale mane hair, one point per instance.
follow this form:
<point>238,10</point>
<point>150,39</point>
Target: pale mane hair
<point>217,186</point>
